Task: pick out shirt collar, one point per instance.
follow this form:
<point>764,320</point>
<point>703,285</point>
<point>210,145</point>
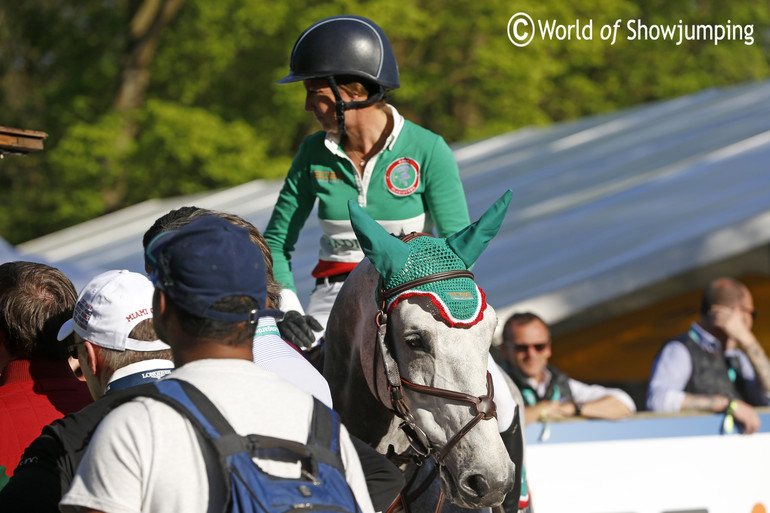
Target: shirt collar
<point>266,327</point>
<point>143,366</point>
<point>704,339</point>
<point>540,386</point>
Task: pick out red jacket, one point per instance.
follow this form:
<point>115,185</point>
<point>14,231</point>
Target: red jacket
<point>34,393</point>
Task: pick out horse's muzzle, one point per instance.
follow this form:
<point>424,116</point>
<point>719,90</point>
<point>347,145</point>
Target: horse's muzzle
<point>475,490</point>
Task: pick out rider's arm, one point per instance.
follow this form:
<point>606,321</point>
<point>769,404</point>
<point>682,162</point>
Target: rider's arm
<point>292,209</point>
<point>444,194</point>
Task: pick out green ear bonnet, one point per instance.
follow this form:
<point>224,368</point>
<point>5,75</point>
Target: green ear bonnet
<point>459,300</point>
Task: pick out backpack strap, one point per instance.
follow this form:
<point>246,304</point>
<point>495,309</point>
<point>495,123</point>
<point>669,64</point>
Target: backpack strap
<point>206,417</point>
<point>323,440</point>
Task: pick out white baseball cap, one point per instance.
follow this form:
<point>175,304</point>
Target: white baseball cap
<point>109,307</point>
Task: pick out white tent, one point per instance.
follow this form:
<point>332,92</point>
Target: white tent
<point>74,271</point>
<point>602,206</point>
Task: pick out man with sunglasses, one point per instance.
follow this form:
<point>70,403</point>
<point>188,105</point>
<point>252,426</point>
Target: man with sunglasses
<point>548,392</point>
<point>717,365</point>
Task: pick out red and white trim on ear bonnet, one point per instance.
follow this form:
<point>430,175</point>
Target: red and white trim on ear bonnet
<point>443,308</point>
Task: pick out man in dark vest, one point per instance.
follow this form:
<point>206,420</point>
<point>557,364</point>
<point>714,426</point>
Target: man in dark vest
<point>718,365</point>
<point>548,392</point>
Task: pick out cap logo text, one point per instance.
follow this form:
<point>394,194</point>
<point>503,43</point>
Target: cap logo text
<point>144,312</point>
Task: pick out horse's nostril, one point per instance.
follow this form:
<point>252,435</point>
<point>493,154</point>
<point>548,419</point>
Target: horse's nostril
<point>478,484</point>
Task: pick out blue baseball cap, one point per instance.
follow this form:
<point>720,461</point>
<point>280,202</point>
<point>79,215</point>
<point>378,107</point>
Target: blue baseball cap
<point>208,260</point>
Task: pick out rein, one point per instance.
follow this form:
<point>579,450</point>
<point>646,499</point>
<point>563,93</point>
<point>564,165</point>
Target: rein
<point>422,447</point>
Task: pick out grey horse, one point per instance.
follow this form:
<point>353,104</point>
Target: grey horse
<point>410,378</point>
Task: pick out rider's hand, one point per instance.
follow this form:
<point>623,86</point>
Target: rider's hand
<point>298,328</point>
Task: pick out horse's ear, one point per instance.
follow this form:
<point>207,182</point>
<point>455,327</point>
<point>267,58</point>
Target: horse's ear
<point>387,253</point>
<point>472,240</point>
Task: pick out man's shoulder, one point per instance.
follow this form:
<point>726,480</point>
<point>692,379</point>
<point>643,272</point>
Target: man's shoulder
<point>73,429</point>
<point>67,436</point>
<point>675,354</point>
<point>88,416</point>
<point>32,404</point>
<point>220,377</point>
<point>681,338</point>
<point>679,343</point>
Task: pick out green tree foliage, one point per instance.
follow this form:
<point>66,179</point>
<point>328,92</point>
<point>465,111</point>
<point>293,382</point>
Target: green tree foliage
<point>207,112</point>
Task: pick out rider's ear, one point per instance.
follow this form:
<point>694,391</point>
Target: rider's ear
<point>387,253</point>
<point>472,240</point>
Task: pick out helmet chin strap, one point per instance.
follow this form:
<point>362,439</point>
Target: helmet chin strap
<point>341,105</point>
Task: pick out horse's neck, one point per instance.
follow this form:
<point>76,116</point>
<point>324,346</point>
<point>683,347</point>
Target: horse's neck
<point>352,323</point>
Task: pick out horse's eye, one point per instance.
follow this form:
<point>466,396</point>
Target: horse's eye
<point>414,341</point>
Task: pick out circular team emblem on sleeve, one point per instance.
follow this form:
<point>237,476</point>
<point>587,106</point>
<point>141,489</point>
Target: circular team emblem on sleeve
<point>403,176</point>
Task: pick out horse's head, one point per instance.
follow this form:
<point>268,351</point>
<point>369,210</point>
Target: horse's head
<point>475,468</point>
<point>432,351</point>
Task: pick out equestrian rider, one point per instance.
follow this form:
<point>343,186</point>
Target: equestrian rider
<point>404,176</point>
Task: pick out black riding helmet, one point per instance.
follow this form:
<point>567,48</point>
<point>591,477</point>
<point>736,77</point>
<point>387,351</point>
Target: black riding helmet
<point>345,46</point>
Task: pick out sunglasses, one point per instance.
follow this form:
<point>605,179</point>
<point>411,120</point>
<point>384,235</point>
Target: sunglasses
<point>524,348</point>
<point>73,350</point>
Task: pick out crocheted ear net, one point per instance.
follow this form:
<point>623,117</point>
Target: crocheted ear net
<point>460,297</point>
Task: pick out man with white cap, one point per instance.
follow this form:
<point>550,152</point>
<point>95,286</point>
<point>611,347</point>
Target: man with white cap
<point>115,342</point>
<point>117,349</point>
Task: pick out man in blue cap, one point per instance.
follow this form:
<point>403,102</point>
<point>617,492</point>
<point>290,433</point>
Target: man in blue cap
<point>210,291</point>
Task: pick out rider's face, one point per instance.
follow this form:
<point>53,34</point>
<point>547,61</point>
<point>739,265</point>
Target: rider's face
<point>529,347</point>
<point>319,100</point>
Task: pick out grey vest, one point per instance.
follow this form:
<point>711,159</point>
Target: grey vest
<point>558,389</point>
<point>712,373</point>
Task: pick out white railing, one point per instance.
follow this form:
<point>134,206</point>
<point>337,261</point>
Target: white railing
<point>648,464</point>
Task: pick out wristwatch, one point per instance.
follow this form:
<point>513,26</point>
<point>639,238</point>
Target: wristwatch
<point>578,409</point>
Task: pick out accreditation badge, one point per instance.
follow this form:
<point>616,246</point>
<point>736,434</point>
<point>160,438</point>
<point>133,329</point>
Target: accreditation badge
<point>403,176</point>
